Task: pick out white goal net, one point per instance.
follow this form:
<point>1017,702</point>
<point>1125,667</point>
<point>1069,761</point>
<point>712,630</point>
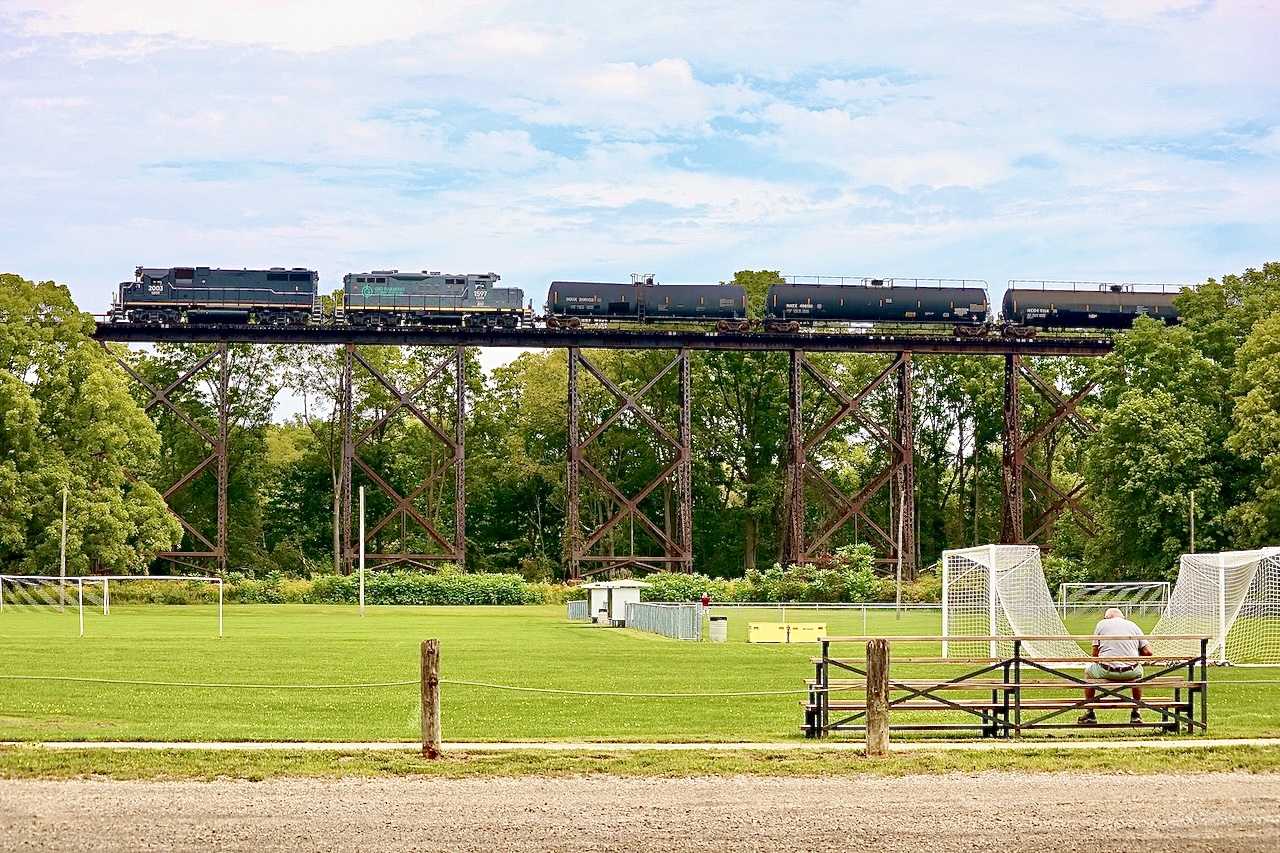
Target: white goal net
<point>1091,600</point>
<point>1000,591</point>
<point>75,596</point>
<point>1234,597</point>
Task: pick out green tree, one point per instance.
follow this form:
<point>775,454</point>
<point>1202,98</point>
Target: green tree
<point>1255,435</point>
<point>1190,408</point>
<point>66,421</point>
<point>516,447</point>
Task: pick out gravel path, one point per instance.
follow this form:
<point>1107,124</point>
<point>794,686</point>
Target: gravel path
<point>981,811</point>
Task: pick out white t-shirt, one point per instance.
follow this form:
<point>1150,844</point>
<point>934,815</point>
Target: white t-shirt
<point>1118,626</point>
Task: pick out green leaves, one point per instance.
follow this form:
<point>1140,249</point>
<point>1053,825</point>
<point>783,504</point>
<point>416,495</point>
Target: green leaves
<point>67,420</point>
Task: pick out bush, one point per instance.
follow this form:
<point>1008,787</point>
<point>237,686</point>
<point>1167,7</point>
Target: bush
<point>447,587</point>
<point>144,591</point>
<point>843,577</point>
<point>681,587</point>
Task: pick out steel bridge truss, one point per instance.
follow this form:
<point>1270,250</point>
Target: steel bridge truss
<point>623,533</point>
<point>406,520</point>
<point>813,529</point>
<point>662,546</point>
<point>1048,496</point>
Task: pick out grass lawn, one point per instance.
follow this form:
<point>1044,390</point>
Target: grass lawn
<point>530,647</point>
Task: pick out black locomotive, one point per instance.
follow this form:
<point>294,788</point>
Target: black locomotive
<point>643,300</point>
<point>817,299</point>
<point>1087,305</point>
<point>277,296</point>
<point>391,297</point>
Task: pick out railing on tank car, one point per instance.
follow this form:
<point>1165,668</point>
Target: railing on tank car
<point>1095,286</point>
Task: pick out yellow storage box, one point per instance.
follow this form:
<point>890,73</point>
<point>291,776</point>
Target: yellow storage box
<point>766,632</point>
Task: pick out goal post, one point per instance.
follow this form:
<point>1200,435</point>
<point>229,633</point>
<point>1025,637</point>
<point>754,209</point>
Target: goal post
<point>1000,591</point>
<point>1233,597</point>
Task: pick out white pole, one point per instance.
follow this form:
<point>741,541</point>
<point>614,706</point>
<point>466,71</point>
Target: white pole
<point>81,608</point>
<point>1222,604</point>
<point>106,597</point>
<point>991,598</point>
<point>62,572</point>
<point>946,577</point>
<point>219,607</point>
<point>362,550</point>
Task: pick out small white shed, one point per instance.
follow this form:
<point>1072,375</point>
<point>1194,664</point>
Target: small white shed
<point>607,600</point>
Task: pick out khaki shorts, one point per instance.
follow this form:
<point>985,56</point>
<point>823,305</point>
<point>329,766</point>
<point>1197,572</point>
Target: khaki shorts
<point>1097,671</point>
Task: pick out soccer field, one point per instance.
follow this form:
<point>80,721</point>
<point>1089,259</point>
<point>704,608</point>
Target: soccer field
<point>306,672</point>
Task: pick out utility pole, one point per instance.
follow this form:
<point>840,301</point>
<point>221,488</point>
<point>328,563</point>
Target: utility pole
<point>62,571</point>
<point>1193,521</point>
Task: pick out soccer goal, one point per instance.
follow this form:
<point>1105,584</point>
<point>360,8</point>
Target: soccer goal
<point>1091,600</point>
<point>81,594</point>
<point>1000,591</point>
<point>1234,597</point>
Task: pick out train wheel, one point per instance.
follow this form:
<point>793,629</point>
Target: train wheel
<point>722,325</point>
<point>575,323</point>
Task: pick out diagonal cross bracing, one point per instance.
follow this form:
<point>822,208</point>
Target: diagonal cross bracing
<point>581,544</point>
<point>404,513</point>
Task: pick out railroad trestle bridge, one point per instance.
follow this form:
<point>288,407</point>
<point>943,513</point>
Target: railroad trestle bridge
<point>810,528</point>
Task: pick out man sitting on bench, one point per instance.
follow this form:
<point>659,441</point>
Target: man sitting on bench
<point>1112,625</point>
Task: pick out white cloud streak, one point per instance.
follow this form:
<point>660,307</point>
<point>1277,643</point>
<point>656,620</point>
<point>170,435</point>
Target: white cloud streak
<point>987,140</point>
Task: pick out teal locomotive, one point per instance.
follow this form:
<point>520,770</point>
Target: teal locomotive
<point>393,298</point>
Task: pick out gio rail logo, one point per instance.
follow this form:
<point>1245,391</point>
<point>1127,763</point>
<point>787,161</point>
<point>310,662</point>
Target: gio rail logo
<point>369,290</point>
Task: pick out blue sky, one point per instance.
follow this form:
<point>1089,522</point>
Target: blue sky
<point>1096,141</point>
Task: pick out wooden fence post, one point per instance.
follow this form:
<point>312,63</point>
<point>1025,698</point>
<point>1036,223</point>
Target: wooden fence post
<point>878,698</point>
<point>431,699</point>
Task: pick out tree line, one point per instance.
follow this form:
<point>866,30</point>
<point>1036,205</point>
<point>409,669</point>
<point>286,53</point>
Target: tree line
<point>1193,408</point>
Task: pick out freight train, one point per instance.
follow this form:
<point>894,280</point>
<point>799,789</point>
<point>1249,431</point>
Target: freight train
<point>380,298</point>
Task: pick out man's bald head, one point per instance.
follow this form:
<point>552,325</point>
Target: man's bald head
<point>1114,613</point>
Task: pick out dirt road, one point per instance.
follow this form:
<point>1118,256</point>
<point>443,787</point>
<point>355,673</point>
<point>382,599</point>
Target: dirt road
<point>997,811</point>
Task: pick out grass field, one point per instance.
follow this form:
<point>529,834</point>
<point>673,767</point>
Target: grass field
<point>302,660</point>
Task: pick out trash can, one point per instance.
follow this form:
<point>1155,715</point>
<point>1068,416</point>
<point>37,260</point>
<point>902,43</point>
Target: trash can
<point>719,629</point>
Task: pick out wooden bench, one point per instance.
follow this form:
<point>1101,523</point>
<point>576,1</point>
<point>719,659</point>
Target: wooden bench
<point>1008,695</point>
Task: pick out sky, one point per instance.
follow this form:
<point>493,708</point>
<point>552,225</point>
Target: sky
<point>1130,141</point>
